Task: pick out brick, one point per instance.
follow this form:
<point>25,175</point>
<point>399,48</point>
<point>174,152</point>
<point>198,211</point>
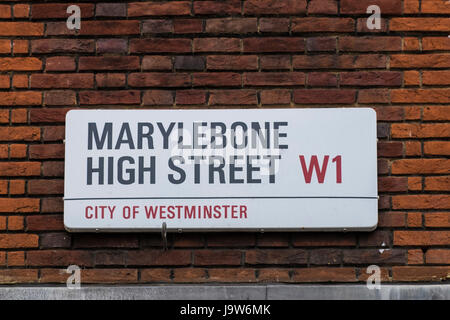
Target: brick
<point>436,78</point>
<point>5,46</point>
<point>155,26</point>
<point>52,205</point>
<point>243,275</point>
<point>158,79</point>
<point>414,183</point>
<point>112,46</point>
<point>62,46</point>
<point>107,241</point>
<point>411,6</point>
<point>231,239</point>
<point>437,219</point>
<point>52,115</point>
<point>59,258</point>
<point>361,26</point>
<point>159,45</point>
<point>20,133</point>
<point>271,44</point>
<point>231,25</point>
<point>13,276</point>
<point>20,168</point>
<point>234,97</point>
<point>435,43</point>
<point>324,274</point>
<point>365,273</point>
<point>322,7</point>
<point>390,149</point>
<point>46,151</point>
<point>367,44</point>
<point>278,96</point>
<point>52,240</point>
<point>437,183</point>
<point>216,45</point>
<point>18,240</point>
<point>21,10</point>
<point>414,220</point>
<point>158,97</point>
<point>431,6</point>
<point>416,130</point>
<point>21,29</point>
<point>421,202</point>
<point>437,256</point>
<point>437,148</point>
<point>252,7</point>
<point>273,78</point>
<point>66,81</point>
<point>434,60</point>
<point>375,256</point>
<point>109,258</point>
<point>360,6</point>
<point>308,239</point>
<point>322,79</point>
<point>190,97</point>
<point>20,116</point>
<point>156,63</point>
<point>217,7</point>
<point>110,80</point>
<point>60,64</point>
<point>276,256</point>
<point>321,44</point>
<point>175,8</point>
<point>20,64</point>
<point>275,62</point>
<point>374,78</point>
<point>16,258</point>
<point>419,24</point>
<point>156,275</point>
<point>324,96</point>
<point>59,10</point>
<point>52,169</point>
<point>108,63</point>
<point>322,24</point>
<point>411,44</point>
<point>421,95</point>
<point>217,257</point>
<point>411,78</point>
<point>366,61</point>
<point>20,46</point>
<point>15,223</point>
<point>415,256</point>
<point>379,238</point>
<point>109,97</point>
<point>391,219</point>
<point>45,223</point>
<point>189,63</point>
<point>272,239</point>
<point>18,151</point>
<point>17,187</point>
<point>8,205</point>
<point>325,256</point>
<point>420,273</point>
<point>45,187</point>
<point>187,26</point>
<point>374,96</point>
<point>274,25</point>
<point>273,275</point>
<point>436,113</point>
<point>421,166</point>
<point>108,28</point>
<point>4,81</point>
<point>184,240</point>
<point>111,10</point>
<point>247,62</point>
<point>159,258</point>
<point>56,98</point>
<point>421,238</point>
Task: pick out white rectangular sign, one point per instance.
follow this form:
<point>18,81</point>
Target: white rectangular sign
<point>241,169</point>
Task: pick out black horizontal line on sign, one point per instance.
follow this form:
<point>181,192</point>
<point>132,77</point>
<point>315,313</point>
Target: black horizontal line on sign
<point>184,198</point>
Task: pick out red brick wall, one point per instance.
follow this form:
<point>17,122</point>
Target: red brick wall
<point>254,53</point>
